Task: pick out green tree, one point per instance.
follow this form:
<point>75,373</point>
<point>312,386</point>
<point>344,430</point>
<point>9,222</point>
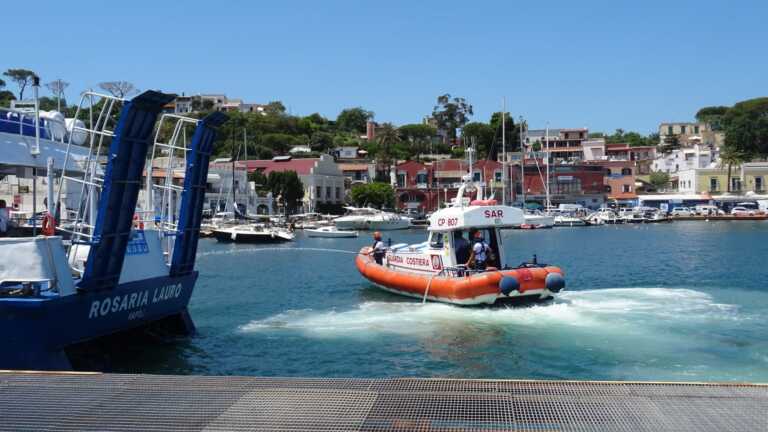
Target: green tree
<point>713,116</point>
<point>746,127</point>
<point>353,119</point>
<point>510,129</point>
<point>387,138</point>
<point>659,179</point>
<point>321,141</point>
<point>451,114</point>
<point>730,157</point>
<point>22,78</point>
<point>375,194</point>
<point>274,108</point>
<point>418,136</point>
<point>5,96</point>
<point>287,188</point>
<point>481,134</point>
<point>259,179</point>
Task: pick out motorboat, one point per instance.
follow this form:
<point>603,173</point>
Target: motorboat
<point>538,219</point>
<point>604,216</point>
<point>569,221</point>
<point>436,269</point>
<point>654,215</point>
<point>632,215</point>
<point>366,218</point>
<point>114,275</point>
<point>568,215</point>
<point>253,233</point>
<point>329,232</point>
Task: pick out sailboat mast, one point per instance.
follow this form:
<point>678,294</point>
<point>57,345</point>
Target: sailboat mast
<point>503,151</point>
<point>546,141</point>
<point>247,184</point>
<point>234,195</point>
<point>522,164</point>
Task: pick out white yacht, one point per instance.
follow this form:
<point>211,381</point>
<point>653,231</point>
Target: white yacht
<point>365,218</point>
<point>604,216</point>
<point>538,219</point>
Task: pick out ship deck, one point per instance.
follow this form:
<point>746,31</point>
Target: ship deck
<point>93,401</point>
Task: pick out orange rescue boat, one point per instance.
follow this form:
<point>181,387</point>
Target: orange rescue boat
<point>437,269</point>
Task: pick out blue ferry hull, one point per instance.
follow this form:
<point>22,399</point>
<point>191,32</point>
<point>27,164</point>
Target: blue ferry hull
<point>34,332</point>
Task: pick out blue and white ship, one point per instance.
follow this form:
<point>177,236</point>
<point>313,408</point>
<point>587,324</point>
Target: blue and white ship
<point>125,266</point>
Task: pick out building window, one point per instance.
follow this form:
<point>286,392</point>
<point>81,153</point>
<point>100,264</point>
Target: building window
<point>401,180</point>
<point>626,171</point>
<point>497,176</point>
<point>338,193</point>
<point>421,178</point>
<point>682,130</point>
<point>476,176</point>
<point>696,129</point>
<point>328,192</point>
<point>318,192</point>
<point>735,184</point>
<point>626,188</point>
<point>670,131</point>
<point>608,172</point>
<point>758,183</point>
<point>713,184</point>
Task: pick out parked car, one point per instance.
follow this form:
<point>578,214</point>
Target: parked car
<point>681,211</point>
<point>742,211</point>
<point>707,210</point>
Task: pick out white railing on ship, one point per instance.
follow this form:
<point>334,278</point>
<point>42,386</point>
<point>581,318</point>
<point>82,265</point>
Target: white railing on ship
<point>166,221</point>
<point>99,132</point>
<point>25,114</point>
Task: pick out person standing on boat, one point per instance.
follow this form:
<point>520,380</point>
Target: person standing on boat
<point>462,247</point>
<point>379,250</point>
<point>478,257</point>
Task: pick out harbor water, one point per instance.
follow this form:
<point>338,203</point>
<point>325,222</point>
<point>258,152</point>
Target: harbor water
<point>685,301</point>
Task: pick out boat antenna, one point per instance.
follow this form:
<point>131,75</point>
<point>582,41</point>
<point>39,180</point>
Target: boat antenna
<point>503,151</point>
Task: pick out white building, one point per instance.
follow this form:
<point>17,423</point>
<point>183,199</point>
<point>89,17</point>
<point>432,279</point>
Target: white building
<point>698,156</point>
<point>323,181</point>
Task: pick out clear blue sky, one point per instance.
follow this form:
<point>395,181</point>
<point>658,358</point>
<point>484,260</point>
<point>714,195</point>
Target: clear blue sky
<point>602,65</point>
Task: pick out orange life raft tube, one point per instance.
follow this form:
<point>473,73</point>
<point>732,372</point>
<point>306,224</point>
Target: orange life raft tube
<point>472,289</point>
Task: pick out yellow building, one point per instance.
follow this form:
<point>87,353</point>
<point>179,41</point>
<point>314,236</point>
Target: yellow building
<point>749,177</point>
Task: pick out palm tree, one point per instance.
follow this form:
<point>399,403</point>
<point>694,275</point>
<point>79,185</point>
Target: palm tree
<point>729,157</point>
<point>387,138</point>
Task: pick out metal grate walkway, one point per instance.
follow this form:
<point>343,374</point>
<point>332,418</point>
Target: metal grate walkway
<point>101,402</point>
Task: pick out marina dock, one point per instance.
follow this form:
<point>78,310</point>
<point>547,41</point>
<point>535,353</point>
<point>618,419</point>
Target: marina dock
<point>94,401</point>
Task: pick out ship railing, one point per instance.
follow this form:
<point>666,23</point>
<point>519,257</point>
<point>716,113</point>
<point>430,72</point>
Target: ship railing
<point>14,120</point>
<point>99,115</point>
<point>169,156</point>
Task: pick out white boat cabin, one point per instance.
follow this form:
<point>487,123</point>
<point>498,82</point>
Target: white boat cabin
<point>451,236</point>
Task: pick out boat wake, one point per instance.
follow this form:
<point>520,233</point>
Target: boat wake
<point>239,251</point>
<point>618,310</point>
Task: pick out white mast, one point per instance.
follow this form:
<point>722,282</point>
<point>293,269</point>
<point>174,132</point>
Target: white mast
<point>522,164</point>
<point>503,151</point>
<point>546,141</point>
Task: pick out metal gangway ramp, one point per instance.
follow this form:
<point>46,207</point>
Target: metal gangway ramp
<point>100,402</point>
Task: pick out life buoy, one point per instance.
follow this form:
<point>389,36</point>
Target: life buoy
<point>138,223</point>
<point>49,225</point>
<point>487,202</point>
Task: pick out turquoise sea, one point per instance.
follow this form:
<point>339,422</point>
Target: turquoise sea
<point>686,301</point>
